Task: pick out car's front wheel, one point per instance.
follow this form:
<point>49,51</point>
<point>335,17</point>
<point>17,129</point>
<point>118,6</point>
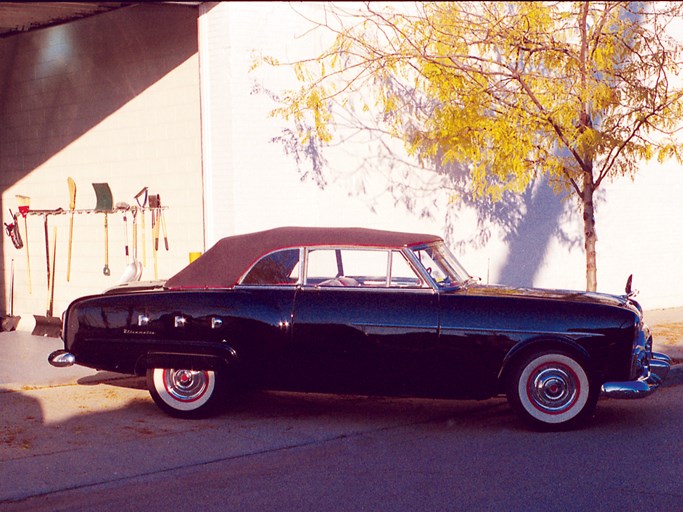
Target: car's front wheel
<point>552,389</point>
<point>184,393</point>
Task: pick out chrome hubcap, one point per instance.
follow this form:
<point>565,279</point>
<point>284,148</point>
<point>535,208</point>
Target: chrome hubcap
<point>553,389</point>
<point>185,385</point>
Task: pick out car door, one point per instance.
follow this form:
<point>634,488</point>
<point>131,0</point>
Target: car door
<point>362,320</point>
<point>264,312</point>
<point>473,341</point>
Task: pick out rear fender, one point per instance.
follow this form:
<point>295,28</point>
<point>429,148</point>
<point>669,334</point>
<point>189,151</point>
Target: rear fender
<point>188,361</point>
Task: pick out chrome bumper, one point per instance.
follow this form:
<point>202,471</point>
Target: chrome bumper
<point>653,374</point>
<point>61,359</point>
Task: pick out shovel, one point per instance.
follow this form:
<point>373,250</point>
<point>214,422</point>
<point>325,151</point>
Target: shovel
<point>105,203</point>
<point>49,325</point>
<point>133,271</point>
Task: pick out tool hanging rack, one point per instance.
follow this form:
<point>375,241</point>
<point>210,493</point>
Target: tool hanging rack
<point>105,205</point>
<point>158,230</point>
<point>61,211</point>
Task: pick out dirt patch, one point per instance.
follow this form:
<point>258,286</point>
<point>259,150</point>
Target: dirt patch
<point>668,334</point>
<point>49,420</point>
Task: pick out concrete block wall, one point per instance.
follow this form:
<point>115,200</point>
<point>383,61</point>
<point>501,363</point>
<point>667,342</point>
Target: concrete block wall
<point>112,98</point>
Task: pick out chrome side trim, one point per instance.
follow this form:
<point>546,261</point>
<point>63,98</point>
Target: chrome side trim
<point>392,330</point>
<point>654,373</point>
<point>364,289</point>
<point>573,335</point>
<point>61,359</point>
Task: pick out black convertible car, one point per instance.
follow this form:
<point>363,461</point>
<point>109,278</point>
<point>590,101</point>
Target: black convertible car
<point>351,310</point>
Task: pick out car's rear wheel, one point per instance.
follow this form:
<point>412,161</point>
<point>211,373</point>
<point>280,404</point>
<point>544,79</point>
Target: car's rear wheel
<point>184,393</point>
<point>552,389</point>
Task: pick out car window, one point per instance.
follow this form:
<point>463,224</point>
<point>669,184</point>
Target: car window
<point>441,265</point>
<point>370,268</point>
<point>402,274</point>
<point>276,268</point>
<point>321,265</point>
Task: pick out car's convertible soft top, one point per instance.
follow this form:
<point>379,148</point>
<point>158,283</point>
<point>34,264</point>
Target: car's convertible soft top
<point>226,262</point>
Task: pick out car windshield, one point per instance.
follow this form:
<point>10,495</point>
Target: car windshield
<point>441,265</point>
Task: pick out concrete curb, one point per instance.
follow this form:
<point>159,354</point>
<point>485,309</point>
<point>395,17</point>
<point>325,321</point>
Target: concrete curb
<point>675,377</point>
<point>675,352</point>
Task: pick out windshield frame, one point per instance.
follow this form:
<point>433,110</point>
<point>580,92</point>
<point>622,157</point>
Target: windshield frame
<point>454,274</point>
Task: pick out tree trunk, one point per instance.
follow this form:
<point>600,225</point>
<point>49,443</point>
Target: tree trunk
<point>590,237</point>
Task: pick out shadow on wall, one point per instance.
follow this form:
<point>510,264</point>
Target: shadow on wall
<point>58,83</point>
<point>528,221</point>
<point>529,239</point>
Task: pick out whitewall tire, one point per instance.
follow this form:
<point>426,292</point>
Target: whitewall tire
<point>552,389</point>
<point>184,393</point>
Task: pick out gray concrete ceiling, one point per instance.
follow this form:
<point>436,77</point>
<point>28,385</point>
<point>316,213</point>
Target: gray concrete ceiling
<point>16,17</point>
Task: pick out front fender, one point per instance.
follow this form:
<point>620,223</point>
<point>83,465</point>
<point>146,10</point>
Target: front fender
<point>536,344</point>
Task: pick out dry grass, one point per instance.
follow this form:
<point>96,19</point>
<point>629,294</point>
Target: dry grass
<point>668,334</point>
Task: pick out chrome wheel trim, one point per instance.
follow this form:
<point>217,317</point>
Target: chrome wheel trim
<point>184,390</point>
<point>553,388</point>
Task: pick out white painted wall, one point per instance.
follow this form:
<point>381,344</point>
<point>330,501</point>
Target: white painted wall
<point>256,186</point>
<point>83,99</point>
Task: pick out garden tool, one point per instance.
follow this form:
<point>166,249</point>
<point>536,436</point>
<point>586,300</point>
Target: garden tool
<point>142,197</point>
<point>13,231</point>
<point>138,264</point>
<point>49,325</point>
<point>46,214</point>
<point>47,250</point>
<point>72,207</point>
<point>162,221</point>
<point>104,204</point>
<point>24,206</point>
<point>105,270</point>
<point>10,322</point>
<point>133,271</point>
<point>124,207</point>
<point>153,204</point>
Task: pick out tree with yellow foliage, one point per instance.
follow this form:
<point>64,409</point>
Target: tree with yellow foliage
<point>579,92</point>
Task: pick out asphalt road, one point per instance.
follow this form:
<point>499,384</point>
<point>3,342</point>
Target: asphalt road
<point>104,446</point>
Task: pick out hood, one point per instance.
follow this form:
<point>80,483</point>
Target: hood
<point>621,301</point>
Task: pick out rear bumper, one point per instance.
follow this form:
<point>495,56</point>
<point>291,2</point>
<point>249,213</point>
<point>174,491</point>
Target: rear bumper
<point>654,371</point>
